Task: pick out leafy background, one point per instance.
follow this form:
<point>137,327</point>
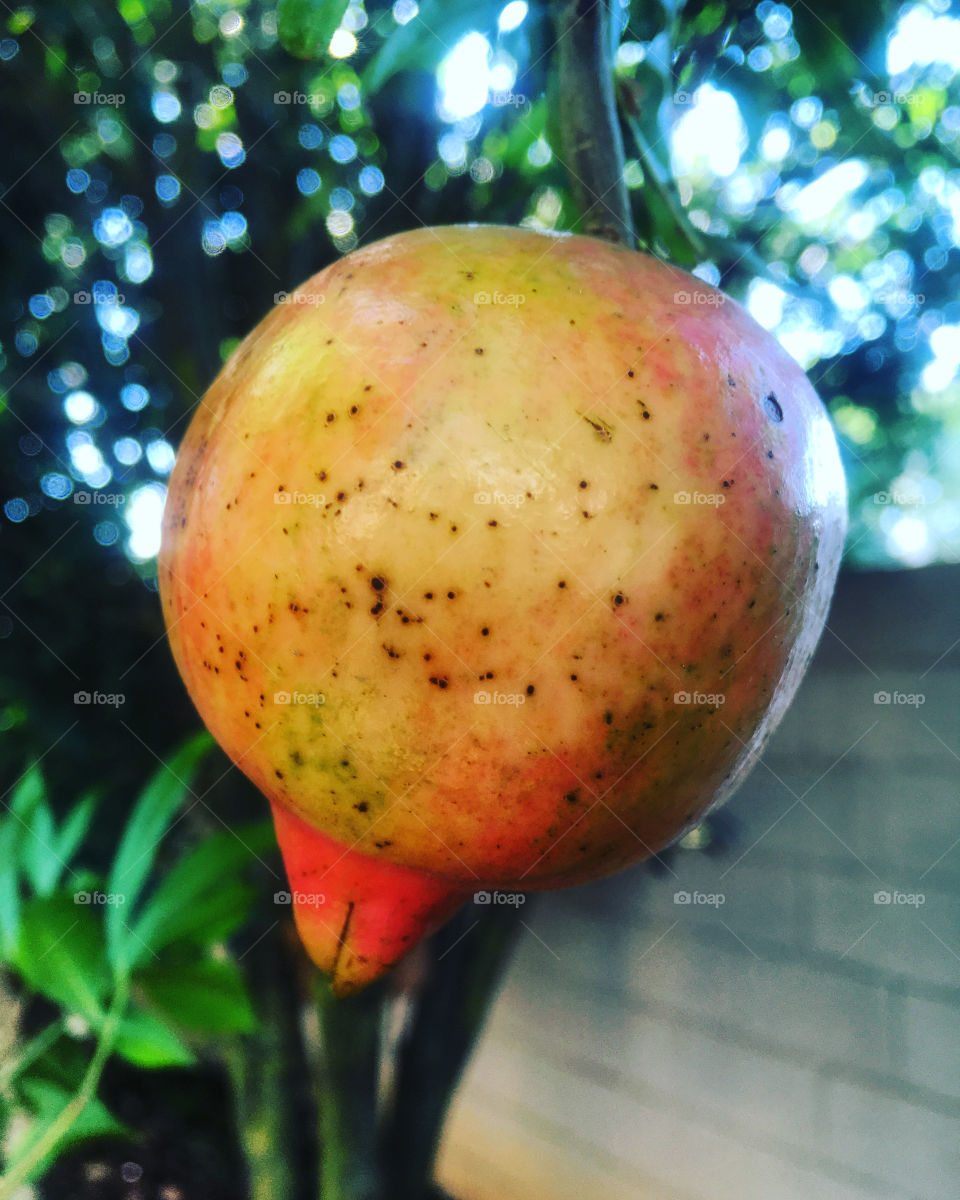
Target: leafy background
<point>168,169</point>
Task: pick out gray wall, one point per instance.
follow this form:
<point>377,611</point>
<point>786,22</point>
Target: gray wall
<point>800,1040</point>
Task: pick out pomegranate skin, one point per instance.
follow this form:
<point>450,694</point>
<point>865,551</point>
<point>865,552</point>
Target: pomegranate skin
<point>494,558</point>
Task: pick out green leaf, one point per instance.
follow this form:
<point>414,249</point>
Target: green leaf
<point>206,996</point>
<point>9,889</point>
<point>305,27</point>
<point>75,828</point>
<point>60,953</point>
<point>150,820</point>
<point>40,859</point>
<point>29,790</point>
<point>422,42</point>
<point>146,1040</point>
<point>202,895</point>
<point>47,1100</point>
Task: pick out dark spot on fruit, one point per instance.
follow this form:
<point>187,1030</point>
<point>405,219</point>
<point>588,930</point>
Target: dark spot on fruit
<point>530,689</point>
<point>354,409</point>
<point>433,516</point>
<point>378,583</point>
<point>630,374</point>
<point>391,653</point>
<point>322,475</point>
<point>586,515</point>
<point>619,598</point>
<point>492,524</point>
<point>331,417</point>
<point>362,806</point>
<point>398,465</point>
<point>574,678</point>
<point>659,616</point>
<point>451,595</point>
<point>478,350</point>
<point>453,529</point>
<point>439,681</point>
<point>571,797</point>
<point>427,657</point>
<point>377,608</point>
<point>367,387</point>
<point>603,431</point>
<point>296,758</point>
<point>485,631</point>
<point>583,483</point>
<point>654,487</point>
<point>730,381</point>
<point>769,454</point>
<point>751,604</point>
<point>771,406</point>
<point>428,595</point>
<point>728,483</point>
<point>278,773</point>
<point>645,415</point>
<point>608,717</point>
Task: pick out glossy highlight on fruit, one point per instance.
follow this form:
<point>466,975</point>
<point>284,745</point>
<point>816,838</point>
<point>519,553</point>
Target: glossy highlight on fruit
<point>493,558</point>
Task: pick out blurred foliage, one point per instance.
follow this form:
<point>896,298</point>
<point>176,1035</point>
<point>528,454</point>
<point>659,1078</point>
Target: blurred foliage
<point>134,965</point>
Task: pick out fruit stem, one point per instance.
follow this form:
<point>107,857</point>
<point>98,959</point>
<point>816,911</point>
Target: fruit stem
<point>349,1073</point>
<point>467,961</point>
<point>590,129</point>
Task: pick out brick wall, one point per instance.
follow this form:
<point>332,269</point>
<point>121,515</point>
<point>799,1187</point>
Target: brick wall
<point>799,1041</point>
